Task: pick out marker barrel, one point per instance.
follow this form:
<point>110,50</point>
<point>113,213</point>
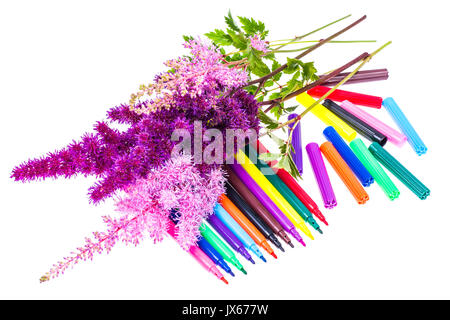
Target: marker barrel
<point>405,126</point>
<point>254,219</point>
<point>221,247</point>
<point>392,135</point>
<point>380,176</point>
<point>294,186</point>
<point>267,201</point>
<point>397,169</point>
<point>240,233</point>
<point>321,174</point>
<point>342,95</point>
<point>328,117</point>
<point>198,255</point>
<point>350,158</point>
<point>273,193</point>
<point>344,172</point>
<point>256,205</point>
<point>297,155</point>
<point>229,237</point>
<point>360,126</point>
<point>270,175</point>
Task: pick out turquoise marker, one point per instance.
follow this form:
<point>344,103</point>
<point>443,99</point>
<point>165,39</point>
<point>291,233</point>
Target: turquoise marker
<point>248,242</point>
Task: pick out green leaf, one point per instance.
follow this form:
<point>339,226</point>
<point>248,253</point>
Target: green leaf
<point>284,163</point>
<point>256,65</point>
<point>275,66</point>
<point>309,71</point>
<point>220,37</point>
<point>251,89</point>
<point>275,95</point>
<point>238,39</point>
<point>268,157</point>
<point>269,56</point>
<point>291,109</point>
<point>230,22</point>
<point>292,65</point>
<point>251,27</point>
<point>268,83</point>
<point>293,170</point>
<point>278,141</point>
<point>268,121</point>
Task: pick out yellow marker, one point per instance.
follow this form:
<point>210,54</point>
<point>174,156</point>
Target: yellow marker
<point>327,117</point>
<point>273,193</point>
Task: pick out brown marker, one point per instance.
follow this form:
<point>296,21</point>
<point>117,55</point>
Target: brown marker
<point>254,203</point>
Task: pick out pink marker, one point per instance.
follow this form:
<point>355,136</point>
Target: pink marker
<point>199,255</point>
<point>393,135</point>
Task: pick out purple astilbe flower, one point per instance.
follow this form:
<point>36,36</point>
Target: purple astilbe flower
<point>145,208</point>
<point>119,158</point>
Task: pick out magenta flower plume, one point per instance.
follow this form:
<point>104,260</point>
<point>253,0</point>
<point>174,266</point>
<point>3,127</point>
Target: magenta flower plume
<point>145,208</point>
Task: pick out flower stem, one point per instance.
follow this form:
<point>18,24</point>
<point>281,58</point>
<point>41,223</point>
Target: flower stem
<point>318,45</point>
<point>366,60</point>
<point>314,31</point>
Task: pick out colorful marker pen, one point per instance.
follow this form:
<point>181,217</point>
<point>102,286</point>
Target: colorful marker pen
<point>214,255</point>
<point>221,247</point>
<point>295,187</point>
<point>273,193</point>
<point>245,224</point>
<point>229,237</point>
<point>257,206</point>
<point>198,255</point>
<point>254,218</point>
<point>275,180</point>
<point>240,233</point>
<point>267,201</point>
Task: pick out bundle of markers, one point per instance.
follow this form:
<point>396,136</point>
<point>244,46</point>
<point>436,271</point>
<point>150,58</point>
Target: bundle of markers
<point>234,80</point>
<point>263,202</point>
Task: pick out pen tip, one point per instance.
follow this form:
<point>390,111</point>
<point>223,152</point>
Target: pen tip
<point>231,273</point>
<point>251,260</point>
<point>243,271</point>
<point>274,255</point>
<point>303,243</point>
<point>291,244</point>
<point>263,259</point>
<point>319,230</point>
<point>224,280</point>
<point>281,249</point>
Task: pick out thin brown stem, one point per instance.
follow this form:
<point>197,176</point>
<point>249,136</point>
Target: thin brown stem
<point>321,80</point>
<point>314,47</point>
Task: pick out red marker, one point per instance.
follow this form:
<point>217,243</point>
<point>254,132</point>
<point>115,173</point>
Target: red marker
<point>353,97</point>
<point>295,187</point>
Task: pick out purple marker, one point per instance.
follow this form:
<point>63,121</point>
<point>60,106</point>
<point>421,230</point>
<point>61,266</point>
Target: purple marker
<point>296,143</point>
<point>266,201</point>
<point>321,174</point>
<point>229,237</point>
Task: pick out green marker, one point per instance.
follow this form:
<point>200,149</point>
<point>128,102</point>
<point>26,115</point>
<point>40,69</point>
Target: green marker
<point>298,206</point>
<point>398,170</point>
<point>221,247</point>
<point>372,165</point>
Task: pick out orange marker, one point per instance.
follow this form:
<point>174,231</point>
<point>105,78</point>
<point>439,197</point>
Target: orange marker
<point>245,224</point>
<point>344,172</point>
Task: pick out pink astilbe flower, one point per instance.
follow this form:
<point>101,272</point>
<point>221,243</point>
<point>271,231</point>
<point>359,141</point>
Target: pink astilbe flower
<point>257,43</point>
<point>146,206</point>
<point>202,73</point>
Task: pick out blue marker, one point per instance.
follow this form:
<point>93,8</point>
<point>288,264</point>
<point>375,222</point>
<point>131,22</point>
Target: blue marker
<point>248,242</point>
<point>213,255</point>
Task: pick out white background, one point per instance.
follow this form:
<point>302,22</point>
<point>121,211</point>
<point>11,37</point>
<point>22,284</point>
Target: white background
<point>63,65</point>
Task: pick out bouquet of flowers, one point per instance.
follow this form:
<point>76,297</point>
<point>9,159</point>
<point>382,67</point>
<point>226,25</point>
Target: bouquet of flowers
<point>229,79</point>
